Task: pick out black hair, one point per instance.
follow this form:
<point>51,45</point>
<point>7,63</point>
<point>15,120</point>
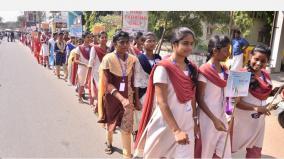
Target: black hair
<point>138,35</point>
<point>85,34</point>
<point>180,33</point>
<point>216,42</point>
<point>101,33</point>
<point>261,49</point>
<point>193,71</point>
<point>150,34</point>
<point>54,34</point>
<point>236,31</point>
<point>120,34</point>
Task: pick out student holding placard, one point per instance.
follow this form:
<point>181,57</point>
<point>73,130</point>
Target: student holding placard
<point>211,99</point>
<point>248,130</point>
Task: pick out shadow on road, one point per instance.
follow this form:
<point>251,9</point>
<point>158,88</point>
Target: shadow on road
<point>266,156</point>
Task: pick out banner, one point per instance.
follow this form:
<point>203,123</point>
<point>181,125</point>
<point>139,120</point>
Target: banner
<point>74,17</point>
<point>76,30</point>
<point>134,21</point>
<point>60,25</point>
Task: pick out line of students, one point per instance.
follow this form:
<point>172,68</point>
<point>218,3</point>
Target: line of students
<point>182,105</point>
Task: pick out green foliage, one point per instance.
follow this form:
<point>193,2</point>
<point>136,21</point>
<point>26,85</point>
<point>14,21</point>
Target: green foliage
<point>221,21</point>
<point>243,21</point>
<point>157,21</point>
<point>191,20</point>
<point>90,18</point>
<point>111,23</point>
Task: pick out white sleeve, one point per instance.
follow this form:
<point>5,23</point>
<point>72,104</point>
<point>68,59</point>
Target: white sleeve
<point>137,74</point>
<point>161,75</point>
<point>78,50</point>
<point>92,57</point>
<point>202,78</point>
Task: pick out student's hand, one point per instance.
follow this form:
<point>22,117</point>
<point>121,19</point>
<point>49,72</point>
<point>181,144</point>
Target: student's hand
<point>236,99</point>
<point>126,104</point>
<point>197,131</point>
<point>138,105</point>
<point>264,110</point>
<point>219,125</point>
<point>181,137</point>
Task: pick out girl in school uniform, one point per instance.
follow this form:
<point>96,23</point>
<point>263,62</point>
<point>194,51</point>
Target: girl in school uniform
<point>146,62</point>
<point>210,97</point>
<point>116,91</point>
<point>248,130</point>
<point>168,132</point>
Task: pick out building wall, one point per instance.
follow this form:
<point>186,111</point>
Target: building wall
<point>254,30</point>
<point>277,46</point>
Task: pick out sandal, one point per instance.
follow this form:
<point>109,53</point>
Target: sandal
<point>134,134</point>
<point>80,100</point>
<point>109,149</point>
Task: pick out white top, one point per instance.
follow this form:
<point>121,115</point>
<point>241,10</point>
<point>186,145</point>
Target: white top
<point>249,132</point>
<point>141,77</point>
<point>94,62</point>
<point>212,139</point>
<point>44,50</point>
<point>82,60</point>
<point>157,129</point>
<point>213,96</point>
<point>52,43</point>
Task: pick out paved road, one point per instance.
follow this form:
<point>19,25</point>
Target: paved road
<point>39,114</point>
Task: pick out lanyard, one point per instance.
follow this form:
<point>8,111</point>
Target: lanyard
<point>187,67</point>
<point>123,69</point>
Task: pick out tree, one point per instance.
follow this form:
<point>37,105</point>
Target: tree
<point>92,17</point>
<point>243,21</point>
<point>192,20</point>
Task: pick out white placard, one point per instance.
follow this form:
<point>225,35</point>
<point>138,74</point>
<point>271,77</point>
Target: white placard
<point>237,84</point>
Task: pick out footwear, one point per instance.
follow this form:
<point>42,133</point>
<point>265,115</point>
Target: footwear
<point>109,149</point>
<point>134,134</point>
<point>84,96</point>
<point>80,100</point>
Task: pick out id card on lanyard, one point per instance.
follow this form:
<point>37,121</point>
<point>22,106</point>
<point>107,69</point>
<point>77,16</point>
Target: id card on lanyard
<point>124,73</point>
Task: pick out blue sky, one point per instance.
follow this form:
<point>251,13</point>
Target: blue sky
<point>10,15</point>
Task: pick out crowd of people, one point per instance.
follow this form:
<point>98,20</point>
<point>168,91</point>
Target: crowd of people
<point>163,106</point>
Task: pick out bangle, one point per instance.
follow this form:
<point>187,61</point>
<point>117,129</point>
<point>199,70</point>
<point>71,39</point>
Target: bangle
<point>195,117</point>
<point>112,91</point>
